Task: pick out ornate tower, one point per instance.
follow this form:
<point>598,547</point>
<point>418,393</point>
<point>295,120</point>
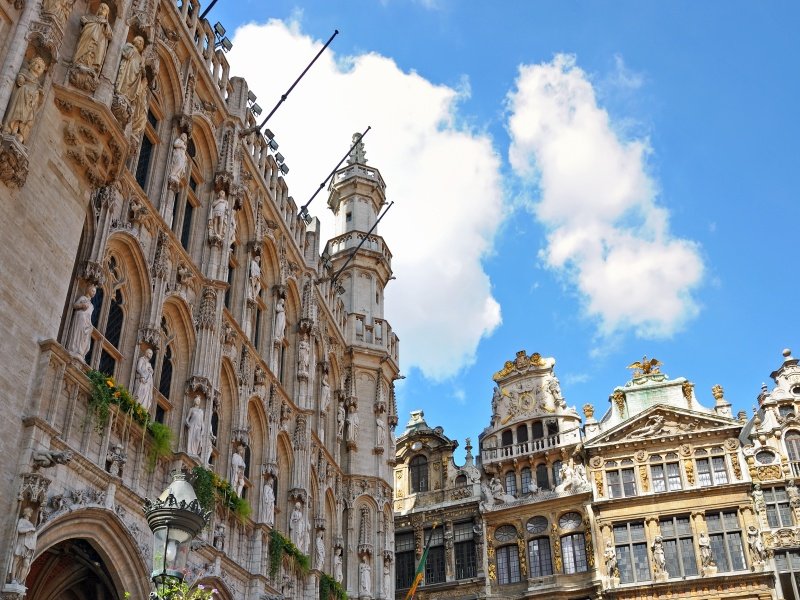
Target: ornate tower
<point>366,403</point>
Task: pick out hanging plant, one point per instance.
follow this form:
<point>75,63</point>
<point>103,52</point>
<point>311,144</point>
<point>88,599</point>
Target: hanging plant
<point>162,443</point>
<point>210,489</point>
<point>280,546</point>
<point>330,589</point>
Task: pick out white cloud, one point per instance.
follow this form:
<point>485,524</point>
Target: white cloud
<point>443,178</point>
<point>606,234</point>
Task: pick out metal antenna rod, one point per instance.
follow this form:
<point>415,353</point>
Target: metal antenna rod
<point>336,168</point>
<point>255,128</point>
<point>208,9</point>
<point>361,243</point>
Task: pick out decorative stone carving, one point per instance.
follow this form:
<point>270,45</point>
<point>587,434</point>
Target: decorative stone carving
<point>177,170</point>
<point>24,547</point>
<point>653,427</point>
<point>610,558</point>
<point>195,423</point>
<point>268,502</point>
<point>706,556</point>
<point>255,278</point>
<point>280,320</point>
<point>364,578</point>
<point>718,392</point>
<point>237,470</point>
<point>90,53</point>
<point>13,162</point>
<point>352,426</point>
<point>341,416</point>
<point>297,526</point>
<point>319,551</point>
<point>143,383</point>
<point>659,559</point>
<point>387,578</point>
<point>217,222</point>
<point>131,70</point>
<point>26,98</point>
<point>303,358</point>
<point>758,554</point>
<point>380,434</point>
<point>219,537</point>
<point>324,393</point>
<point>618,397</point>
<point>116,459</point>
<point>45,459</point>
<point>337,565</point>
<point>206,319</point>
<point>33,488</point>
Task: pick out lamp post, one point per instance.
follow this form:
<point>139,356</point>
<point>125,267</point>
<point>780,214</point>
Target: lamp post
<point>175,518</point>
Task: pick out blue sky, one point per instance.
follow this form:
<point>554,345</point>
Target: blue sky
<point>510,133</point>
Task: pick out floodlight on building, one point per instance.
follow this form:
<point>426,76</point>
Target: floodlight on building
<point>219,29</point>
<point>284,169</point>
<point>251,97</point>
<point>273,144</point>
<point>225,43</point>
<point>279,158</point>
<point>256,109</point>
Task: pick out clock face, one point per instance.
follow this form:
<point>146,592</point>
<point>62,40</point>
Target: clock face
<point>506,533</point>
<point>570,520</point>
<point>537,525</point>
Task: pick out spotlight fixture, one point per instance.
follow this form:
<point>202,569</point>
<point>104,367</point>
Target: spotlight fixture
<point>219,29</point>
<point>268,134</point>
<point>251,97</point>
<point>225,43</point>
<point>273,144</point>
<point>256,109</point>
<point>279,158</point>
<point>284,169</point>
<point>305,216</point>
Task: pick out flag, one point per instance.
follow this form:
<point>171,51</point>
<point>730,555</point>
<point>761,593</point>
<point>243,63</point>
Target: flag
<point>421,567</point>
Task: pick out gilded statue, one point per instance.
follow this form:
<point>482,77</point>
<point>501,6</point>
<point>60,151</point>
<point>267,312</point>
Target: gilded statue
<point>644,366</point>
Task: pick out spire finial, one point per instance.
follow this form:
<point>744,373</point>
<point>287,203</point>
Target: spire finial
<point>358,154</point>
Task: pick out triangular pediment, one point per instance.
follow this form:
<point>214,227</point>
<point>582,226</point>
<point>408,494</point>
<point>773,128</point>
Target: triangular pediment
<point>662,421</point>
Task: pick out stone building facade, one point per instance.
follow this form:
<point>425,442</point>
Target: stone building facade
<point>148,234</point>
<point>662,497</point>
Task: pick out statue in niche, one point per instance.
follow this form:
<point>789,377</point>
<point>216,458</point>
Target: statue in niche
<point>280,319</point>
<point>139,108</point>
<point>60,9</point>
<point>255,277</point>
<point>268,503</point>
<point>143,384</point>
<point>80,335</point>
<point>219,212</point>
<point>319,556</point>
<point>131,70</point>
<point>219,536</point>
<point>380,433</point>
<point>237,470</point>
<point>116,458</point>
<point>758,553</point>
<point>324,393</point>
<point>706,557</point>
<point>337,565</point>
<point>303,357</point>
<point>387,579</point>
<point>610,557</point>
<point>26,97</point>
<point>364,577</point>
<point>195,425</point>
<point>92,45</point>
<point>307,534</point>
<point>24,547</point>
<point>352,424</point>
<point>659,558</point>
<point>341,416</point>
<point>177,169</point>
<point>297,526</point>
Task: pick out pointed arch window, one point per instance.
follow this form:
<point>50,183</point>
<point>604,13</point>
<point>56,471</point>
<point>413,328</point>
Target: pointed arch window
<point>418,474</point>
<point>108,318</point>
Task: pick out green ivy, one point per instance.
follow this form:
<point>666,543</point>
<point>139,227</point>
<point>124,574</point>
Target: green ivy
<point>105,392</point>
<point>210,489</point>
<point>330,589</point>
<point>280,546</point>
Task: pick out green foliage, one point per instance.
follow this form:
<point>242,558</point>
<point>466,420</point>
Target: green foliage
<point>211,489</point>
<point>280,546</point>
<point>105,392</point>
<point>330,589</point>
<point>173,589</point>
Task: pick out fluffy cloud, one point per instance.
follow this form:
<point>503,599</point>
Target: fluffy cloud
<point>444,179</point>
<point>606,234</point>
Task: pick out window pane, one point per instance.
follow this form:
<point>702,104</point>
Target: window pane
<point>672,559</point>
<point>659,481</point>
<point>674,475</point>
<point>625,564</point>
<point>539,557</point>
<point>404,542</point>
<point>719,553</point>
<point>404,569</point>
<point>465,559</point>
<point>688,557</point>
<point>628,482</point>
<point>614,484</point>
<point>434,566</point>
<point>703,472</point>
<point>115,319</point>
<point>526,480</point>
<point>574,553</point>
<point>143,166</point>
<point>511,483</point>
<point>641,562</point>
<point>736,550</point>
<point>720,472</point>
<point>186,230</point>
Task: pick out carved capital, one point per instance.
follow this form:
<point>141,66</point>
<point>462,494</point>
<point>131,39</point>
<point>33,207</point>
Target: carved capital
<point>298,495</point>
<point>13,162</point>
<point>93,273</point>
<point>33,488</point>
<point>150,336</point>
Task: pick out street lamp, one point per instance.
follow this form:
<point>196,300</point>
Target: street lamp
<point>175,518</point>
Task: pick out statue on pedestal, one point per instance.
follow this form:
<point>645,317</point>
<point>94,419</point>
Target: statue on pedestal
<point>80,335</point>
<point>143,384</point>
<point>26,97</point>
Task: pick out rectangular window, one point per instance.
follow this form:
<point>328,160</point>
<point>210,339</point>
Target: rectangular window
<point>507,565</point>
<point>511,483</point>
<point>621,482</point>
<point>779,513</point>
<point>788,567</point>
<point>720,471</point>
<point>539,558</point>
<point>628,482</point>
<point>678,546</point>
<point>726,540</point>
<point>573,549</point>
<point>434,566</point>
<point>632,558</point>
<point>143,166</point>
<point>659,478</point>
<point>186,229</point>
<point>526,480</point>
<point>614,483</point>
<point>674,476</point>
<point>404,565</point>
<point>703,472</point>
<point>466,559</point>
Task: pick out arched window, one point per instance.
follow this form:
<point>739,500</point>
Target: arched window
<point>511,483</point>
<point>147,150</point>
<point>507,438</point>
<point>793,448</point>
<point>461,481</point>
<point>108,318</point>
<point>418,473</point>
<point>527,480</point>
<point>557,473</point>
<point>507,565</point>
<point>522,434</point>
<point>539,558</point>
<point>537,430</point>
<point>541,477</point>
<point>165,379</point>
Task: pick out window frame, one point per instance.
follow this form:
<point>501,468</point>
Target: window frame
<point>507,561</point>
<point>630,551</point>
<point>541,564</point>
<point>727,536</point>
<point>677,537</point>
<point>418,475</point>
<point>576,560</point>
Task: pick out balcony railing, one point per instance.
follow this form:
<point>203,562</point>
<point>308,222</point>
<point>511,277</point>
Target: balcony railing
<point>521,449</point>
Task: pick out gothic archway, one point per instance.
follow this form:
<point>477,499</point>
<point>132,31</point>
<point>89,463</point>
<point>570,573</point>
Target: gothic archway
<point>71,570</point>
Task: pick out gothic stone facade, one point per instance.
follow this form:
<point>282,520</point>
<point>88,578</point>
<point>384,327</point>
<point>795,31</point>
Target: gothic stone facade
<point>148,235</point>
<point>662,497</point>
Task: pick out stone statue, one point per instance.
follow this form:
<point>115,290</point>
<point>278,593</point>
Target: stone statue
<point>177,170</point>
<point>306,549</point>
<point>319,556</point>
<point>255,277</point>
<point>116,458</point>
<point>143,384</point>
<point>219,536</point>
<point>352,425</point>
<point>237,470</point>
<point>93,43</point>
<point>380,437</point>
<point>131,70</point>
<point>280,319</point>
<point>758,498</point>
<point>303,356</point>
<point>219,211</point>
<point>268,503</point>
<point>610,556</point>
<point>45,459</point>
<point>60,9</point>
<point>654,426</point>
<point>758,553</point>
<point>26,97</point>
<point>24,547</point>
<point>340,419</point>
<point>364,577</point>
<point>496,396</point>
<point>387,579</point>
<point>498,492</point>
<point>554,387</point>
<point>80,335</point>
<point>659,559</point>
<point>195,422</point>
<point>706,558</point>
<point>324,394</point>
<point>337,565</point>
<point>297,526</point>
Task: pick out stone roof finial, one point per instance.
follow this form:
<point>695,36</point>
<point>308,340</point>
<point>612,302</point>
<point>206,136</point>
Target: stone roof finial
<point>358,154</point>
